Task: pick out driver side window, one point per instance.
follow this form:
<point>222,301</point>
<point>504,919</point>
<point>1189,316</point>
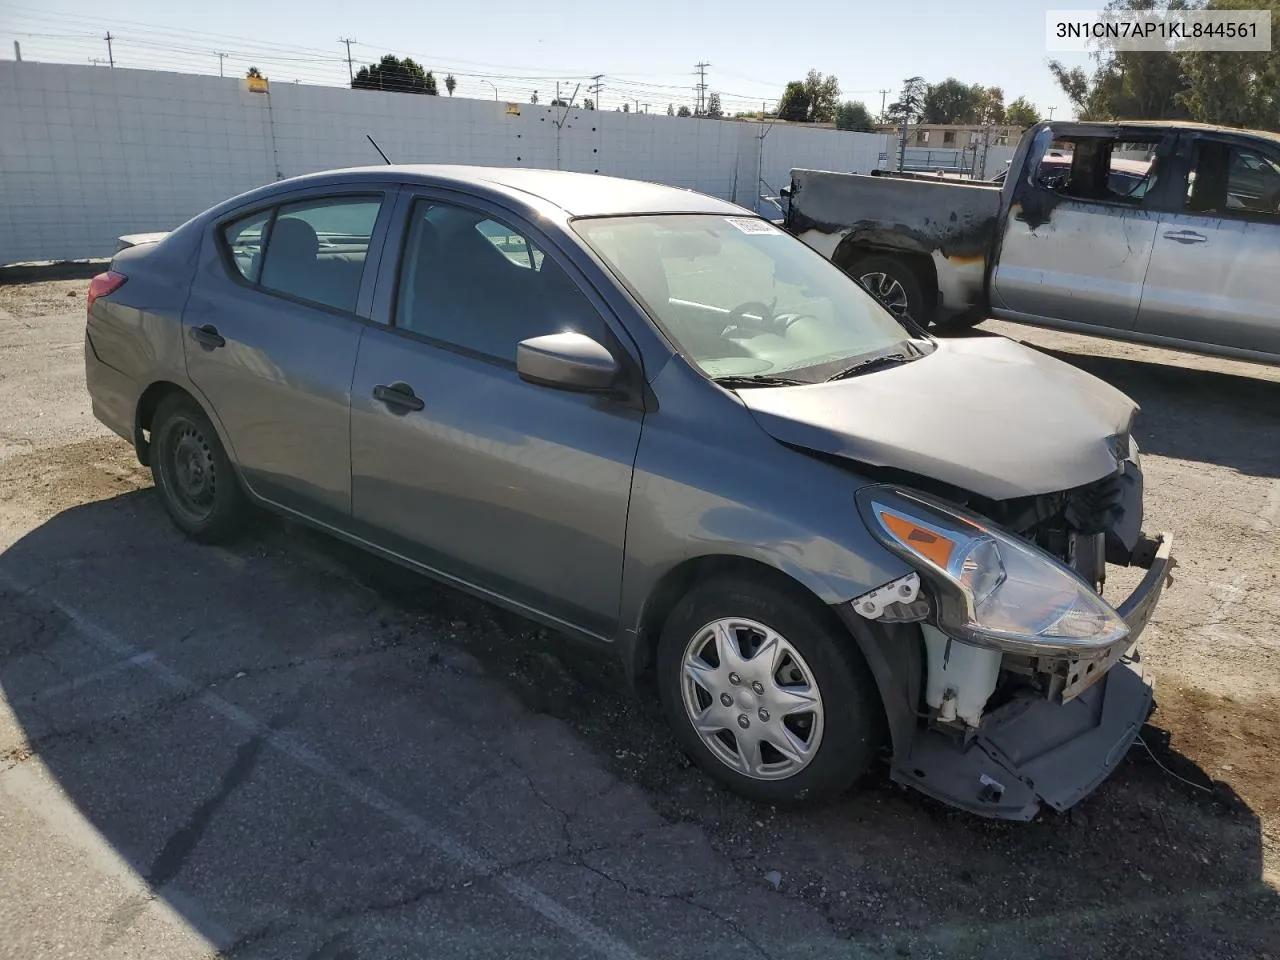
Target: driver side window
<point>472,282</point>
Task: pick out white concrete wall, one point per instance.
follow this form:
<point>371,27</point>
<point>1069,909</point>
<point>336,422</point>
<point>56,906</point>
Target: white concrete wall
<point>88,153</point>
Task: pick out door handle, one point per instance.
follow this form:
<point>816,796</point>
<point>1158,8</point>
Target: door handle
<point>208,337</point>
<point>398,394</point>
<point>1185,236</point>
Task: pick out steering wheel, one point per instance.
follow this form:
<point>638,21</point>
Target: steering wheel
<point>738,316</point>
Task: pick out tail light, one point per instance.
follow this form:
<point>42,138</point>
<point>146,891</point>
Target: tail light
<point>103,285</point>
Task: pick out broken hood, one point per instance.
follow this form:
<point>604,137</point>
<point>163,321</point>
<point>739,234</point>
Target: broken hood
<point>984,414</point>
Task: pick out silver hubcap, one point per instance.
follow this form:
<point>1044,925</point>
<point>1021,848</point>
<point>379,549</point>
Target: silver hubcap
<point>752,699</point>
<point>889,290</point>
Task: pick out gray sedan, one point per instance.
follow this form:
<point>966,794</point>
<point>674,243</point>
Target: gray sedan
<point>655,421</point>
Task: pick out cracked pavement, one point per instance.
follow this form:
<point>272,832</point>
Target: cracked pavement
<point>283,748</point>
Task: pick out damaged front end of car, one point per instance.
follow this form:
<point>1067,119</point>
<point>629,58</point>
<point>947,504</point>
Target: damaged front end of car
<point>1009,682</point>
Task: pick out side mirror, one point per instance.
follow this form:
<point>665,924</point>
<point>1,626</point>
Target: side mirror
<point>568,361</point>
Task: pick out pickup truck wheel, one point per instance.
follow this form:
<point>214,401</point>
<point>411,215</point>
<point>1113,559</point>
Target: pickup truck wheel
<point>896,286</point>
<point>767,694</point>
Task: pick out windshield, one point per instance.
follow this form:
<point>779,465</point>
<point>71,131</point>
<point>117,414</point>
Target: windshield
<point>741,298</point>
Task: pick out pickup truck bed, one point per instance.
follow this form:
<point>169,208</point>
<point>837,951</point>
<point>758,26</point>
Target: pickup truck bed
<point>943,227</point>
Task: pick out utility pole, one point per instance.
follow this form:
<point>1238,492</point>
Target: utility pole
<point>17,51</point>
<point>111,59</point>
<point>883,94</point>
<point>221,57</point>
<point>351,75</point>
<point>646,108</point>
<point>597,88</point>
<point>637,103</point>
<point>701,68</point>
<point>1051,109</point>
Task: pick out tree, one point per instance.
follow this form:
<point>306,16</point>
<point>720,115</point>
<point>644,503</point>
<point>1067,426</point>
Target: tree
<point>1022,113</point>
<point>910,103</point>
<point>626,108</point>
<point>450,83</point>
<point>671,110</point>
<point>950,102</point>
<point>714,109</point>
<point>854,115</point>
<point>824,96</point>
<point>795,102</point>
<point>684,111</point>
<point>255,74</point>
<point>534,97</point>
<point>988,104</point>
<point>557,102</point>
<point>588,103</point>
<point>1128,85</point>
<point>394,74</point>
<point>1236,89</point>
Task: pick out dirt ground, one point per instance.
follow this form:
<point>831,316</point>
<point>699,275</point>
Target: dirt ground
<point>1177,855</point>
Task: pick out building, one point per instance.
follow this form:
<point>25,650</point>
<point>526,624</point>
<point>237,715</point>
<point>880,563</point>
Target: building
<point>955,136</point>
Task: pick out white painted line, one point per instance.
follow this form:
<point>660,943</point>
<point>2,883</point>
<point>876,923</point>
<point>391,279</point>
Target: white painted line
<point>33,786</point>
<point>128,663</point>
<point>457,850</point>
<point>1270,512</point>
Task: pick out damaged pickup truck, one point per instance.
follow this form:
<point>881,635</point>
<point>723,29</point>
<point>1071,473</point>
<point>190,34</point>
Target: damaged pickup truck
<point>1158,233</point>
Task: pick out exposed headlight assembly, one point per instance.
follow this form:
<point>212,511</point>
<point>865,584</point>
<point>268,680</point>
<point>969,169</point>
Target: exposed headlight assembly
<point>991,588</point>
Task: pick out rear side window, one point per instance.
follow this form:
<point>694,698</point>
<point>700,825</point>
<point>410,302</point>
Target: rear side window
<point>316,250</point>
<point>244,239</point>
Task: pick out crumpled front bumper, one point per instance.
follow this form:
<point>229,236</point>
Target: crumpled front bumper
<point>1031,750</point>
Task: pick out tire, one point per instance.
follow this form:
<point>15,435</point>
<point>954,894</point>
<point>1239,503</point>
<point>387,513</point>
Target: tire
<point>842,736</point>
<point>193,474</point>
<point>896,285</point>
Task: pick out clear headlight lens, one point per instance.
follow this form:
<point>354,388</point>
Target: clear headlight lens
<point>993,588</point>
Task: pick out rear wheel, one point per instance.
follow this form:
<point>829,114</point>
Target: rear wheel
<point>767,693</point>
<point>896,285</point>
<point>193,474</point>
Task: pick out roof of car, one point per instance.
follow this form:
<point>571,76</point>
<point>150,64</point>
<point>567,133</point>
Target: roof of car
<point>578,194</point>
<point>1171,125</point>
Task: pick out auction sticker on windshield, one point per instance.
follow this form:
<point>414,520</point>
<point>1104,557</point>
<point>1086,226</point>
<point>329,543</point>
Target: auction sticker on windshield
<point>752,225</point>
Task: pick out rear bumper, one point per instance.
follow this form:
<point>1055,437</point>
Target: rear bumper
<point>112,394</point>
<point>1031,750</point>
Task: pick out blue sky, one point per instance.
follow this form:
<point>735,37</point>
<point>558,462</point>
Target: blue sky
<point>647,51</point>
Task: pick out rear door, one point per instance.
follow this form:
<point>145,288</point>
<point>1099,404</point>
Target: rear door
<point>1213,277</point>
<point>1077,242</point>
<point>459,464</point>
<point>270,334</point>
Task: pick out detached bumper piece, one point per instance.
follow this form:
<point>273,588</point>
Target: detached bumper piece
<point>1032,750</point>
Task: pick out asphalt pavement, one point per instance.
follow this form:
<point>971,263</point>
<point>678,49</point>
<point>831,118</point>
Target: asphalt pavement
<point>282,748</point>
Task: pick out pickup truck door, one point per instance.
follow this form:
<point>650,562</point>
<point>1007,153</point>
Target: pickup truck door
<point>1212,278</point>
<point>1074,259</point>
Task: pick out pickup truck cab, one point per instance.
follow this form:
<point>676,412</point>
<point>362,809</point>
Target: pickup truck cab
<point>1163,233</point>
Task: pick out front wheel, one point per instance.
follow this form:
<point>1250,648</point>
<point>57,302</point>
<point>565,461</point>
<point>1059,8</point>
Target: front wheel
<point>767,693</point>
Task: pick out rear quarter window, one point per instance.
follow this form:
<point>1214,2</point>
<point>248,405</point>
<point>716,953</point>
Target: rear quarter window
<point>244,241</point>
